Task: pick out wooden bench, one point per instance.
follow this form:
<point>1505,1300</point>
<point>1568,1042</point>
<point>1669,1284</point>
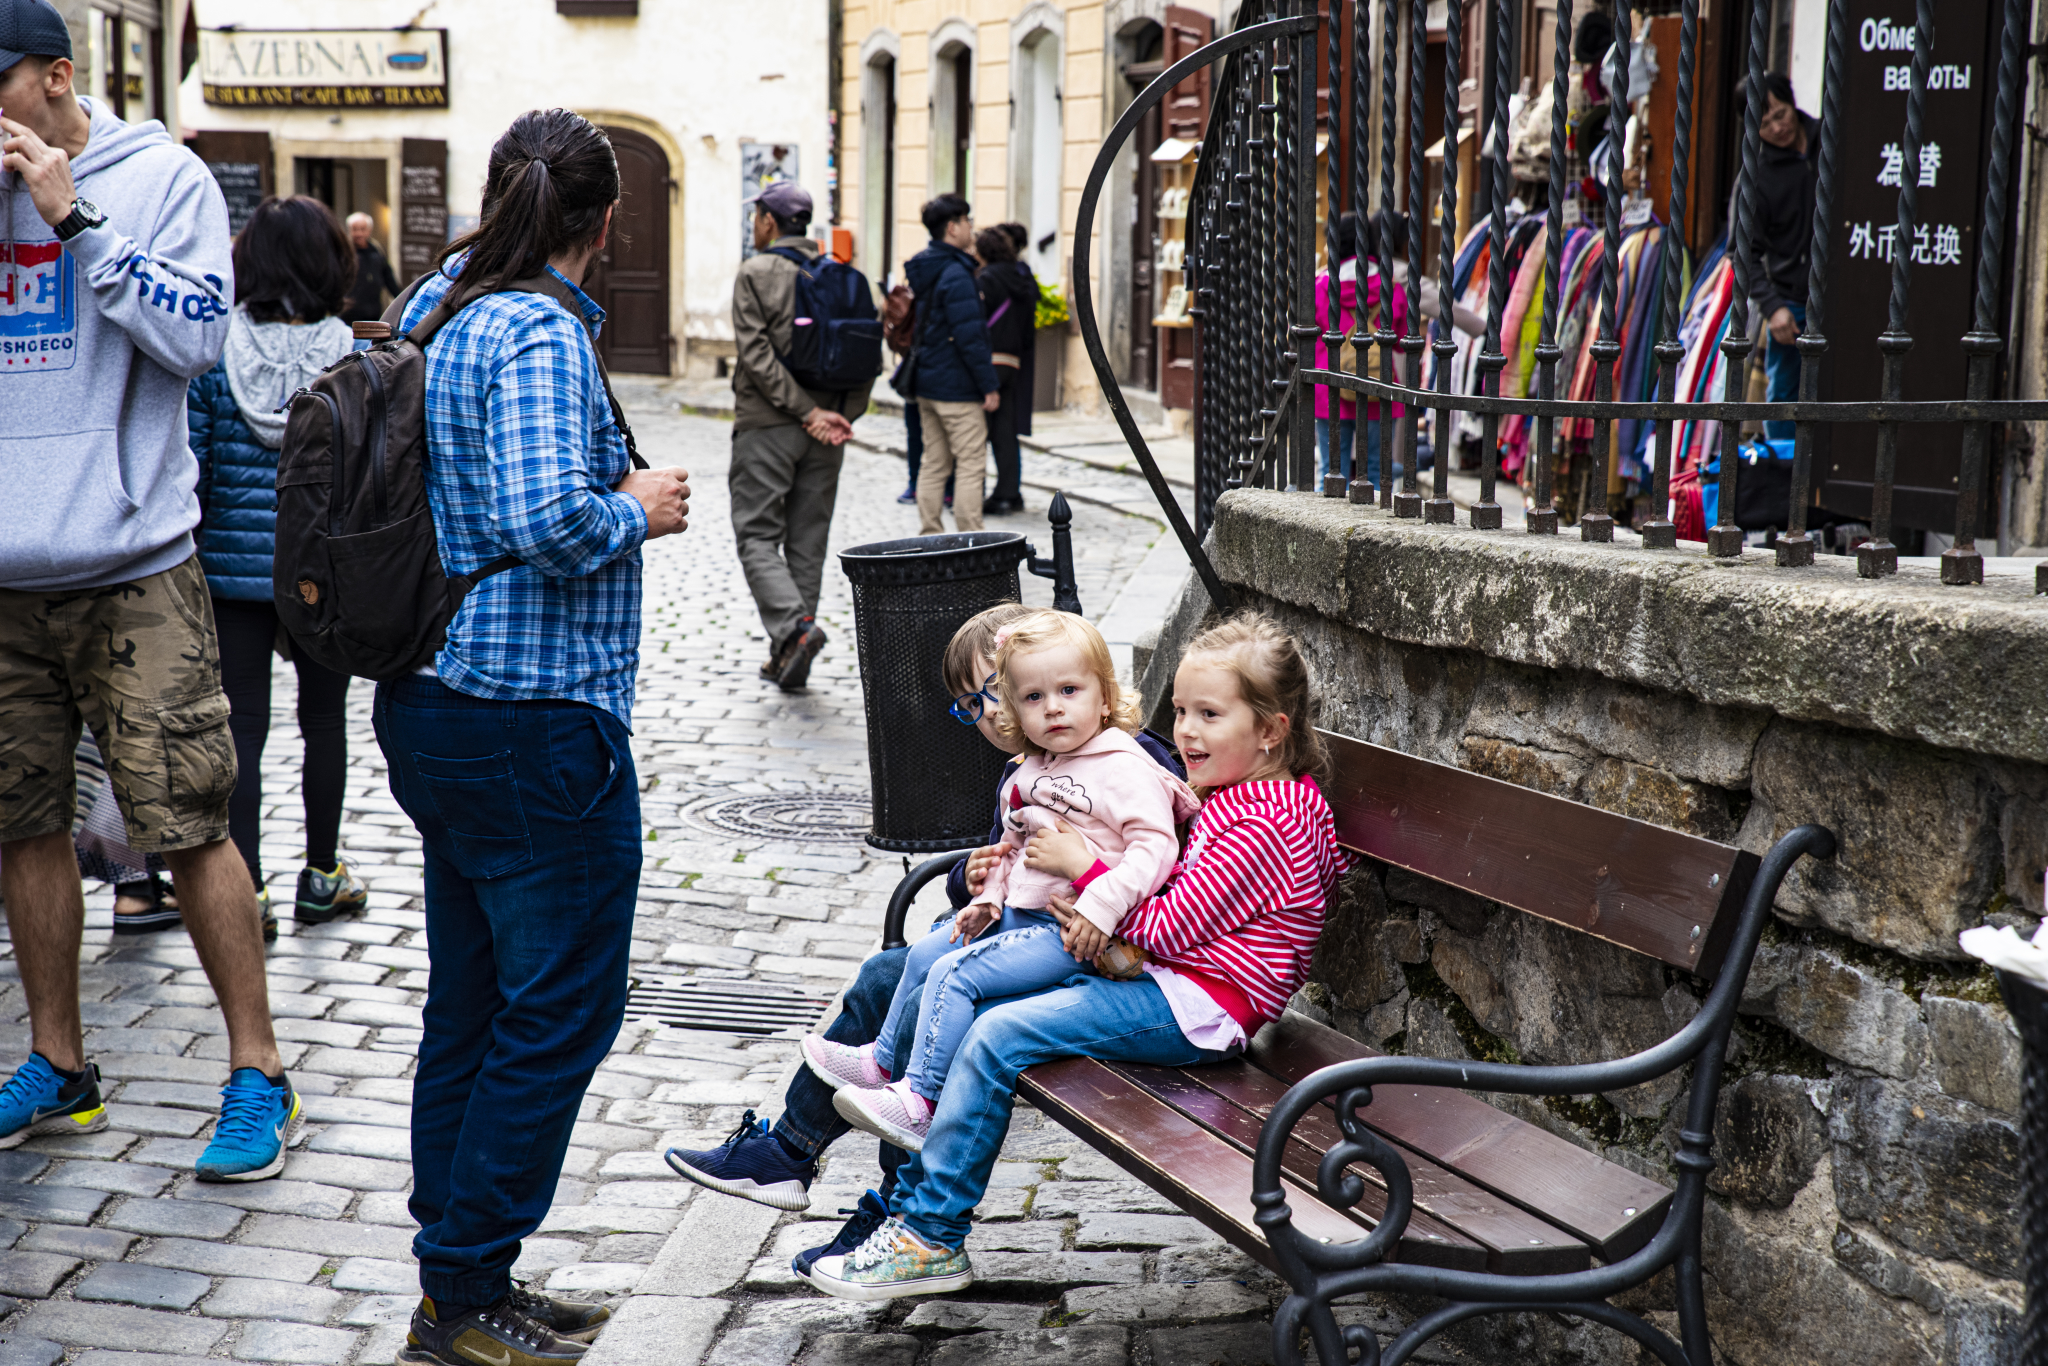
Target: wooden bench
<point>1347,1170</point>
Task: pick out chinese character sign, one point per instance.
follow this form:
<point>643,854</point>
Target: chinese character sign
<point>1947,175</point>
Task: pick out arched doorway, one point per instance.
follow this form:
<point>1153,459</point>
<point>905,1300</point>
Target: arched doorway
<point>630,277</point>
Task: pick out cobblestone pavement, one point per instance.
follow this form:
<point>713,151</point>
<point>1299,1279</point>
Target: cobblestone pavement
<point>114,1256</point>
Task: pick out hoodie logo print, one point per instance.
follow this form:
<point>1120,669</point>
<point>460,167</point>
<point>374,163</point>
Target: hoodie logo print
<point>38,308</point>
<point>1058,792</point>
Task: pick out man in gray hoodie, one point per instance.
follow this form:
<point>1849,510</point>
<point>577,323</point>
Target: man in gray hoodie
<point>115,286</point>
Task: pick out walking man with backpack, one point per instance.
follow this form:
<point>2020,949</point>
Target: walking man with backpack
<point>810,346</point>
<point>953,369</point>
<point>117,295</point>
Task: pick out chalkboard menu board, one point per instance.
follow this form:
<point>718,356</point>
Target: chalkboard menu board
<point>422,205</point>
<point>242,183</point>
<point>1961,88</point>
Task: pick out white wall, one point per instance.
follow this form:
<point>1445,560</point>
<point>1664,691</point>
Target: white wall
<point>698,76</point>
<point>1809,52</point>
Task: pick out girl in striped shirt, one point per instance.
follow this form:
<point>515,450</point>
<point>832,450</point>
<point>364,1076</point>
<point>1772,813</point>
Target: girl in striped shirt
<point>1219,950</point>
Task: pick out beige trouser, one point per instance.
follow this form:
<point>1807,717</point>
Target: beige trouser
<point>954,434</point>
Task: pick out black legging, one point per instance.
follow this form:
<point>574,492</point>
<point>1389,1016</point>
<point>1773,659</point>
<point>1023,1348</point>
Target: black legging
<point>247,630</point>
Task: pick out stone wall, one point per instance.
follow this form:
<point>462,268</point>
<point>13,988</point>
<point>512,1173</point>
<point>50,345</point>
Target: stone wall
<point>1864,1206</point>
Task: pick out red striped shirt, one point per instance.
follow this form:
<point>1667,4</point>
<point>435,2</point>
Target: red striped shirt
<point>1247,899</point>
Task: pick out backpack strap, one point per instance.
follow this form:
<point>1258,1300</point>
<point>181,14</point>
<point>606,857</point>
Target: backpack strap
<point>556,289</point>
<point>544,283</point>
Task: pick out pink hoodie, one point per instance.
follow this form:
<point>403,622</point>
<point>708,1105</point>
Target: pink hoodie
<point>1120,800</point>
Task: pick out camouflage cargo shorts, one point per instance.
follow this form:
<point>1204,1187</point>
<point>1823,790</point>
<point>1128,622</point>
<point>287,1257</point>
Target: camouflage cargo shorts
<point>139,663</point>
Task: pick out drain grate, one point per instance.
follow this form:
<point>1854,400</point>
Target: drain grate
<point>810,817</point>
<point>765,1009</point>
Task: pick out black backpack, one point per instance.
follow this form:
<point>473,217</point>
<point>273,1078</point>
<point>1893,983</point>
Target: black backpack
<point>836,340</point>
<point>357,576</point>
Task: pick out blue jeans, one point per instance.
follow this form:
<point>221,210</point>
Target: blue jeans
<point>1086,1017</point>
<point>1347,432</point>
<point>1781,373</point>
<point>529,814</point>
<point>897,1036</point>
<point>1024,956</point>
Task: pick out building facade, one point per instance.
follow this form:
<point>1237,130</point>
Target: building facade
<point>390,108</point>
<point>1007,102</point>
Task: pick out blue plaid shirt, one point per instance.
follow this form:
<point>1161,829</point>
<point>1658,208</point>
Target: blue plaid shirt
<point>522,453</point>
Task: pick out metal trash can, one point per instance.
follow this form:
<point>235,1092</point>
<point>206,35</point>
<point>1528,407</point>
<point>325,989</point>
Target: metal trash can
<point>934,779</point>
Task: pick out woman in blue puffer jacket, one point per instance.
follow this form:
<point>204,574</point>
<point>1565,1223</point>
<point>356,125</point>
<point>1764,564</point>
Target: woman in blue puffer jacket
<point>293,269</point>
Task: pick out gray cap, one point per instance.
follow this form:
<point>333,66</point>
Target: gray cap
<point>784,198</point>
<point>31,28</point>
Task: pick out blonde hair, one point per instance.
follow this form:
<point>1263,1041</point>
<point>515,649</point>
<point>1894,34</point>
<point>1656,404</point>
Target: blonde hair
<point>977,636</point>
<point>1274,680</point>
<point>1045,629</point>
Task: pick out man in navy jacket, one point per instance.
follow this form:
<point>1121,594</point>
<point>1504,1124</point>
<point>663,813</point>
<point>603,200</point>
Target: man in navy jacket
<point>956,383</point>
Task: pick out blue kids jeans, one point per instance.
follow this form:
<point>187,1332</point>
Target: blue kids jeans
<point>1085,1017</point>
<point>1025,957</point>
<point>529,814</point>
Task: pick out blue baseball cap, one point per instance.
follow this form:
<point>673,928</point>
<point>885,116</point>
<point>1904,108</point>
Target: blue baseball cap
<point>31,28</point>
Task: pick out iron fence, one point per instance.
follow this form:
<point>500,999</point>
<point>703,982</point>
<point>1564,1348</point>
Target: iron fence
<point>1251,269</point>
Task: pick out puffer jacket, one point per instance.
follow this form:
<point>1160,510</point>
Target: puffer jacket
<point>237,491</point>
<point>953,354</point>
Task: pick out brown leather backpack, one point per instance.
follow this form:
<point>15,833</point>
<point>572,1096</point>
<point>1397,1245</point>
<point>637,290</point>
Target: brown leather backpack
<point>899,320</point>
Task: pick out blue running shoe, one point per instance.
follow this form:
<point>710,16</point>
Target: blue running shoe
<point>36,1100</point>
<point>867,1217</point>
<point>258,1121</point>
<point>753,1165</point>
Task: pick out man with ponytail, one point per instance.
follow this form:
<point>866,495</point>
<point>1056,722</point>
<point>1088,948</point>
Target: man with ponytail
<point>510,752</point>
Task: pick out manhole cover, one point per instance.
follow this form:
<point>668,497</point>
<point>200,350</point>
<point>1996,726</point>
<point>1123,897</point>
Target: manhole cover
<point>802,816</point>
<point>760,1008</point>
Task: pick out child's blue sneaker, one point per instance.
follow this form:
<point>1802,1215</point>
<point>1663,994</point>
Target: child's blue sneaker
<point>751,1164</point>
<point>36,1100</point>
<point>259,1119</point>
<point>867,1217</point>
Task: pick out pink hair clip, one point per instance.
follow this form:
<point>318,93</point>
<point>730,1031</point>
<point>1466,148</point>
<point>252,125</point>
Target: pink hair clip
<point>1003,635</point>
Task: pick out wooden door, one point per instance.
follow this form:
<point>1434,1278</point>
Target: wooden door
<point>630,280</point>
<point>1187,107</point>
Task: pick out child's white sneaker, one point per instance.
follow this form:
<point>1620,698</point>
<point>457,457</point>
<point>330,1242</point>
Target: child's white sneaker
<point>839,1064</point>
<point>894,1113</point>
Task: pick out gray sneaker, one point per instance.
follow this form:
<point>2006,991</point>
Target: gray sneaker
<point>323,896</point>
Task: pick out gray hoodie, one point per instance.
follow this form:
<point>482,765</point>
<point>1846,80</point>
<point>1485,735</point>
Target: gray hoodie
<point>98,339</point>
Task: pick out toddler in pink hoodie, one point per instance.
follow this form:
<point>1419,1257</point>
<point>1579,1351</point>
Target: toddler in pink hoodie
<point>1089,818</point>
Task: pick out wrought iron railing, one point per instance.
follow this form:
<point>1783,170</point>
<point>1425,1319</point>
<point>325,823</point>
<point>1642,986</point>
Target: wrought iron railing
<point>1251,263</point>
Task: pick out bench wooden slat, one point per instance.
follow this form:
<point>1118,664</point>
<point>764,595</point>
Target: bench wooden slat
<point>1426,1241</point>
<point>1553,1179</point>
<point>1196,1169</point>
<point>1657,891</point>
<point>1519,1243</point>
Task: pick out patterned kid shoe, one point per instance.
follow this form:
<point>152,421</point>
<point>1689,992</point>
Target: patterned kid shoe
<point>867,1217</point>
<point>323,896</point>
<point>36,1100</point>
<point>573,1319</point>
<point>751,1164</point>
<point>495,1335</point>
<point>259,1119</point>
<point>894,1113</point>
<point>840,1065</point>
<point>892,1264</point>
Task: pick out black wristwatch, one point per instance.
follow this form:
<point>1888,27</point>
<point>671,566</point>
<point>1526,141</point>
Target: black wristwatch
<point>84,214</point>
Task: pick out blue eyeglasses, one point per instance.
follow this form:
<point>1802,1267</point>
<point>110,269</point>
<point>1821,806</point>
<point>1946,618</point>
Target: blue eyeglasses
<point>968,707</point>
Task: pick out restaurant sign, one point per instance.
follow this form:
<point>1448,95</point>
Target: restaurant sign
<point>325,68</point>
